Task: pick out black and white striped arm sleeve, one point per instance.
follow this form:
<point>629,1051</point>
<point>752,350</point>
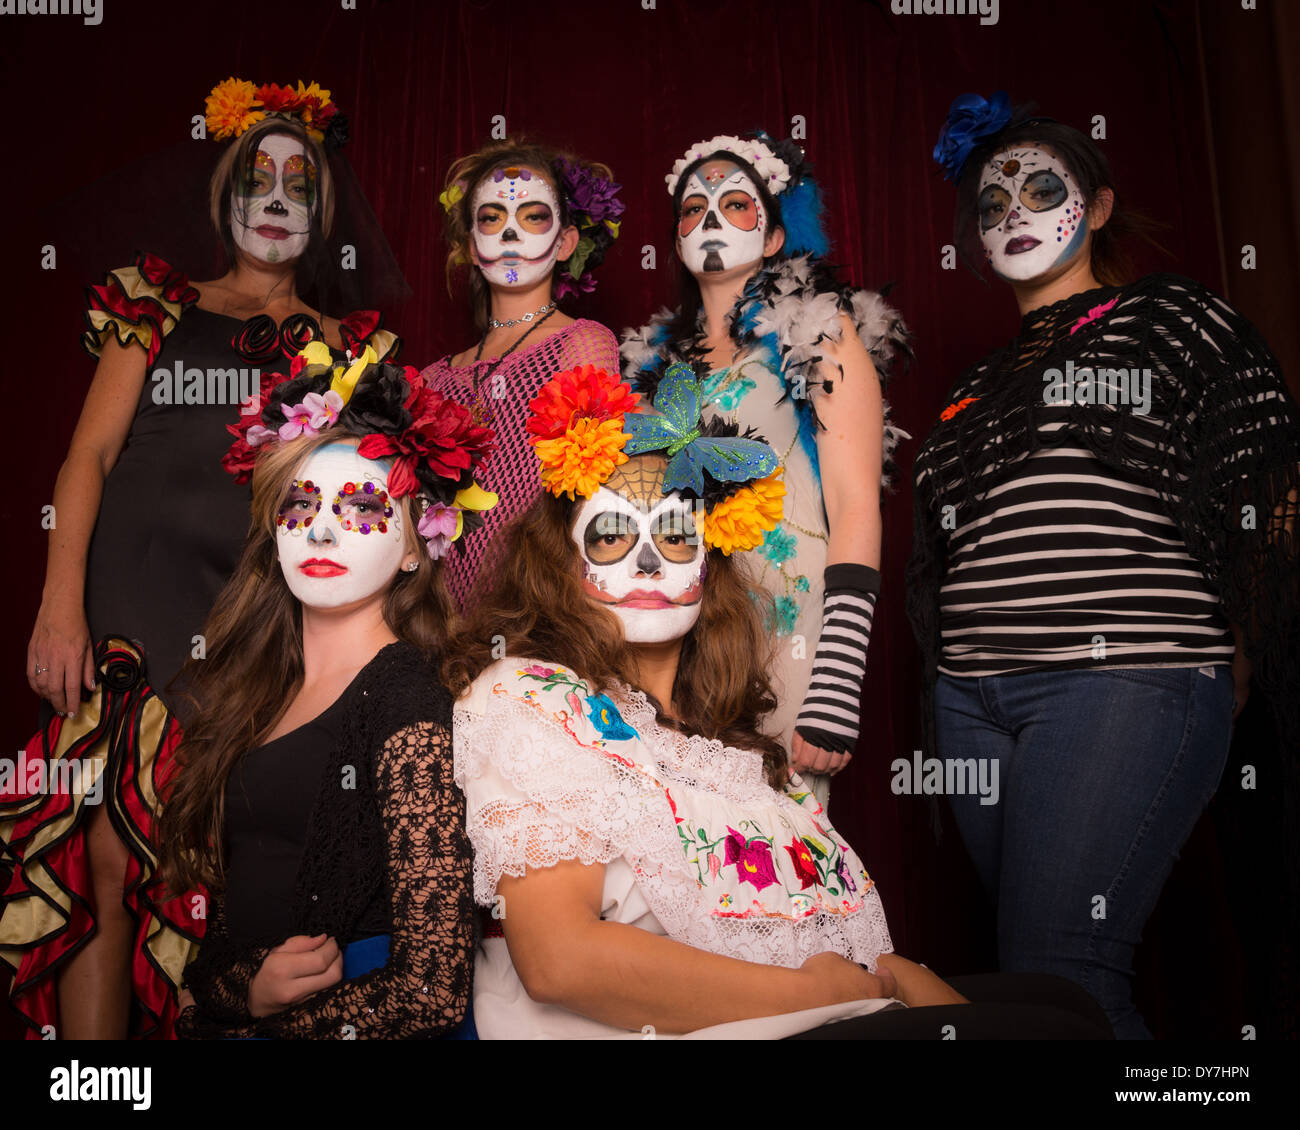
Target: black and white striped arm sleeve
<point>829,718</point>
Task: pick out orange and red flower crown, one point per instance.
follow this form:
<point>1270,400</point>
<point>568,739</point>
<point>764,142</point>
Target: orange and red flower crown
<point>585,422</point>
<point>236,105</point>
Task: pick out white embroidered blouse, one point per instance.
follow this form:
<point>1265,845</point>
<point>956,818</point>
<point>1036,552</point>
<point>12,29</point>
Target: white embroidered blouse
<point>696,845</point>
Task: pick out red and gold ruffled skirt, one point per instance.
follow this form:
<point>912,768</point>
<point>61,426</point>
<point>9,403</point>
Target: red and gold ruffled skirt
<point>118,750</point>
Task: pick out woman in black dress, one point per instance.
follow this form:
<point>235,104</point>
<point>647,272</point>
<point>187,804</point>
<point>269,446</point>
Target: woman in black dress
<point>315,798</point>
<point>148,529</point>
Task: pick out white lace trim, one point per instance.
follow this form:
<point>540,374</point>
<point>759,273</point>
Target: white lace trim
<point>566,798</point>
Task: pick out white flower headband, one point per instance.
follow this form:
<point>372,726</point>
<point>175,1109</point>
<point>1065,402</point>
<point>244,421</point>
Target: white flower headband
<point>766,163</point>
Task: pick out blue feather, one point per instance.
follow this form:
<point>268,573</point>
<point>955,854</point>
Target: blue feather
<point>802,406</point>
<point>801,216</point>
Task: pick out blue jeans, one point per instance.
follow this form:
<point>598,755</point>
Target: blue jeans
<point>1102,775</point>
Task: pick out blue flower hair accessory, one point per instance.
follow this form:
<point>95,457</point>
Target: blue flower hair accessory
<point>971,118</point>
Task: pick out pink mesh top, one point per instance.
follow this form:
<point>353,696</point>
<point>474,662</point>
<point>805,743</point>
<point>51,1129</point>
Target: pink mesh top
<point>503,400</point>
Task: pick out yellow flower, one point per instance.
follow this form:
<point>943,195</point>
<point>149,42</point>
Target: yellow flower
<point>314,91</point>
<point>740,521</point>
<point>450,197</point>
<point>229,108</point>
<point>584,457</point>
<point>313,101</point>
<point>316,353</point>
<point>473,497</point>
<point>345,384</point>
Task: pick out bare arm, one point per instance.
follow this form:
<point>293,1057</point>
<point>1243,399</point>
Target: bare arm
<point>849,450</point>
<point>629,978</point>
<point>61,641</point>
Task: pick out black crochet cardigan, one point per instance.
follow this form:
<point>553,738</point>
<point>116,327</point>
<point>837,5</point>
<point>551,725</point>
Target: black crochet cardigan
<point>394,825</point>
<point>1220,445</point>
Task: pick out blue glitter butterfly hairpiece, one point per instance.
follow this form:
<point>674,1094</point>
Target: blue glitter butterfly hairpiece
<point>674,428</point>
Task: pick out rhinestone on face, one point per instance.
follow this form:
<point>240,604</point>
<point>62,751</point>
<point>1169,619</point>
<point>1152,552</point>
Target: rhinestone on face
<point>370,488</point>
<point>365,527</point>
<point>349,488</point>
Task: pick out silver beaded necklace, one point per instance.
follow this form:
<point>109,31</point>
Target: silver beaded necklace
<point>494,324</point>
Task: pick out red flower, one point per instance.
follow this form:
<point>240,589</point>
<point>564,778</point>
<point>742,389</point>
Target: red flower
<point>443,437</point>
<point>576,393</point>
<point>753,859</point>
<point>672,804</point>
<point>355,330</point>
<point>239,460</point>
<point>278,99</point>
<point>952,409</point>
<point>802,858</point>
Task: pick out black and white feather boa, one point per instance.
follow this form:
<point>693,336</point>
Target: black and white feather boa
<point>789,308</point>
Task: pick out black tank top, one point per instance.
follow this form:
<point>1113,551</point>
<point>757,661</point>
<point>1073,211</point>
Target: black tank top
<point>270,797</point>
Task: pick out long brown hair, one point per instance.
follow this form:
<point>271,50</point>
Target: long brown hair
<point>467,172</point>
<point>254,662</point>
<point>538,610</point>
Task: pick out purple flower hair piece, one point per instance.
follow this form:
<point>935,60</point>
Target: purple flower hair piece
<point>587,191</point>
<point>594,207</point>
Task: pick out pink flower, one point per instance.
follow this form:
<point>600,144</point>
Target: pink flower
<point>258,435</point>
<point>1092,315</point>
<point>324,409</point>
<point>575,703</point>
<point>538,670</point>
<point>438,528</point>
<point>297,422</point>
<point>753,859</point>
<point>714,866</point>
<point>315,413</point>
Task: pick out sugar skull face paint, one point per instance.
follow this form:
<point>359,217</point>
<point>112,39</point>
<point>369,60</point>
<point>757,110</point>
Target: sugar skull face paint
<point>721,224</point>
<point>641,556</point>
<point>271,208</point>
<point>339,536</point>
<point>1031,213</point>
<point>516,227</point>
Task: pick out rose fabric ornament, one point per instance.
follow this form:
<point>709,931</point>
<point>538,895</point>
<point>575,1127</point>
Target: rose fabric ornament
<point>971,118</point>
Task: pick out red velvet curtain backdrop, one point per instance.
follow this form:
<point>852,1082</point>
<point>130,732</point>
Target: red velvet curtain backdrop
<point>632,85</point>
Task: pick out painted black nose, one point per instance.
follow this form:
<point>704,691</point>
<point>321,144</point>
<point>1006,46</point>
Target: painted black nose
<point>510,236</point>
<point>711,220</point>
<point>276,208</point>
<point>648,561</point>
